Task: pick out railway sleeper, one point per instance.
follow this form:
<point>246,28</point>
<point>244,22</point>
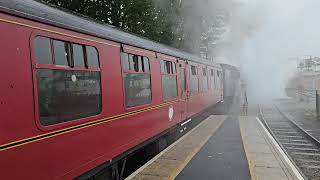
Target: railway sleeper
<point>293,140</point>
<point>306,155</point>
<point>299,145</point>
<point>302,162</point>
<point>311,167</point>
<point>282,129</point>
<point>277,123</point>
<point>285,132</point>
<point>275,119</point>
<point>310,150</point>
<point>286,136</point>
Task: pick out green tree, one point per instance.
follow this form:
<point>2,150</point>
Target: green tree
<point>197,26</point>
<point>193,26</point>
<point>140,17</point>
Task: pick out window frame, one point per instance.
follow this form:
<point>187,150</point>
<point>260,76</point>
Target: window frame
<point>212,79</point>
<point>197,75</point>
<point>68,58</point>
<point>129,71</point>
<point>174,73</point>
<point>183,81</point>
<point>36,65</point>
<point>205,75</point>
<point>84,54</point>
<point>34,51</point>
<point>219,77</point>
<point>63,67</point>
<point>86,57</point>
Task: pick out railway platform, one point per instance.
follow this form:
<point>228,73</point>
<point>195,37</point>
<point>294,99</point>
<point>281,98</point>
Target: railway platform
<point>221,147</point>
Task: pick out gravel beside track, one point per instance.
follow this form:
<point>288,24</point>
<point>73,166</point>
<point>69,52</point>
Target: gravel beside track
<point>301,146</point>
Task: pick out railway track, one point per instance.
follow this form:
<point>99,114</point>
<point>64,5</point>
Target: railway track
<point>302,148</point>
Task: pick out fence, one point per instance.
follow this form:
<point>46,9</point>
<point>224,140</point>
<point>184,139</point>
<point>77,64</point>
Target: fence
<point>311,99</point>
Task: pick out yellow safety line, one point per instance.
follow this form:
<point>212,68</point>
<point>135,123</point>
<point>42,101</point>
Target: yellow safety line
<point>250,162</point>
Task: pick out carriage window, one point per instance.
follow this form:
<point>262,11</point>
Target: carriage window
<point>125,61</point>
<point>168,67</point>
<point>183,79</point>
<point>61,53</point>
<point>218,80</point>
<point>169,80</point>
<point>204,71</point>
<point>137,89</point>
<point>92,56</point>
<point>194,81</point>
<point>213,79</point>
<point>141,64</point>
<point>162,64</point>
<point>43,50</point>
<point>137,84</point>
<point>131,62</point>
<point>205,80</point>
<point>134,62</point>
<point>146,64</point>
<point>78,55</point>
<point>169,87</point>
<point>174,67</point>
<point>193,71</point>
<point>66,94</point>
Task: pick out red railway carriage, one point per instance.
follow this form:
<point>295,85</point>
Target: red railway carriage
<point>76,94</point>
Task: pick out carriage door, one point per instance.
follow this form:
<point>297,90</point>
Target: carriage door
<point>183,93</point>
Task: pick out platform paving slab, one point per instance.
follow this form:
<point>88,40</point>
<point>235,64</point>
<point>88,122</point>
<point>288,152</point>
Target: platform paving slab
<point>265,160</point>
<point>220,148</point>
<point>221,158</point>
<point>169,163</point>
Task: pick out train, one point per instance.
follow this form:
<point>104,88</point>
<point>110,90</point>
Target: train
<point>231,84</point>
<point>79,96</point>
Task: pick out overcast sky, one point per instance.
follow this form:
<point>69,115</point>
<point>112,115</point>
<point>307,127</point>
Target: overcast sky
<point>286,29</point>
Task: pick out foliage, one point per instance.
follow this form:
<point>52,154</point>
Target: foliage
<point>190,26</point>
<point>140,17</point>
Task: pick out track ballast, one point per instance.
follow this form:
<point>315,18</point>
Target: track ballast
<point>302,147</point>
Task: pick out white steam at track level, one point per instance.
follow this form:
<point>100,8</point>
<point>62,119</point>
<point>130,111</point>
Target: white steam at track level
<point>288,28</point>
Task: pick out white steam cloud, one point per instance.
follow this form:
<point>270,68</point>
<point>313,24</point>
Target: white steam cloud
<point>286,29</point>
<point>261,37</point>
